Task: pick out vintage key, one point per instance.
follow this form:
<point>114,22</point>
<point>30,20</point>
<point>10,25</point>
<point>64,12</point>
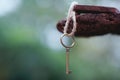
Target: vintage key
<point>68,47</point>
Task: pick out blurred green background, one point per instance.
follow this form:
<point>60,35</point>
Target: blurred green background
<point>30,47</point>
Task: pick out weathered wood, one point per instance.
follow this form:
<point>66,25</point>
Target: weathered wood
<point>95,9</point>
<point>94,21</point>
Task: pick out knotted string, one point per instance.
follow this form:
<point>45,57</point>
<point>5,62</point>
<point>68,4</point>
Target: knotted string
<point>71,15</point>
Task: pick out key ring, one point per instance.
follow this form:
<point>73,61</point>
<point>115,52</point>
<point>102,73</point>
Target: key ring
<point>67,35</point>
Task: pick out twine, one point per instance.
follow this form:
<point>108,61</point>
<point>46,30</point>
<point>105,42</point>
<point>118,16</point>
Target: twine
<point>71,14</point>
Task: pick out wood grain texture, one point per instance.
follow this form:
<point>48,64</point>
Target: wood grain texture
<point>97,21</point>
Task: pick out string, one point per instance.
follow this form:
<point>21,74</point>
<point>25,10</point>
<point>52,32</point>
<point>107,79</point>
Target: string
<point>71,15</point>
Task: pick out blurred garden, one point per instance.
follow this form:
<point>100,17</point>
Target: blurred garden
<point>30,48</point>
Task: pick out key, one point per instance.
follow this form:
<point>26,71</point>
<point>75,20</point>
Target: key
<point>68,47</point>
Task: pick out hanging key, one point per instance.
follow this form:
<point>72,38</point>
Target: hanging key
<point>67,50</point>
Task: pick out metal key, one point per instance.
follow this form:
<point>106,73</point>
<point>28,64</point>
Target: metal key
<point>67,50</point>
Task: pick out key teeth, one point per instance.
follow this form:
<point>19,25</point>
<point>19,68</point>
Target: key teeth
<point>69,72</point>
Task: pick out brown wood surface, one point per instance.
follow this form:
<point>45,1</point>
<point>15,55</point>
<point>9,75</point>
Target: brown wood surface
<point>106,20</point>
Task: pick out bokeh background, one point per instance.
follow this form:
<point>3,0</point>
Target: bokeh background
<point>30,48</point>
